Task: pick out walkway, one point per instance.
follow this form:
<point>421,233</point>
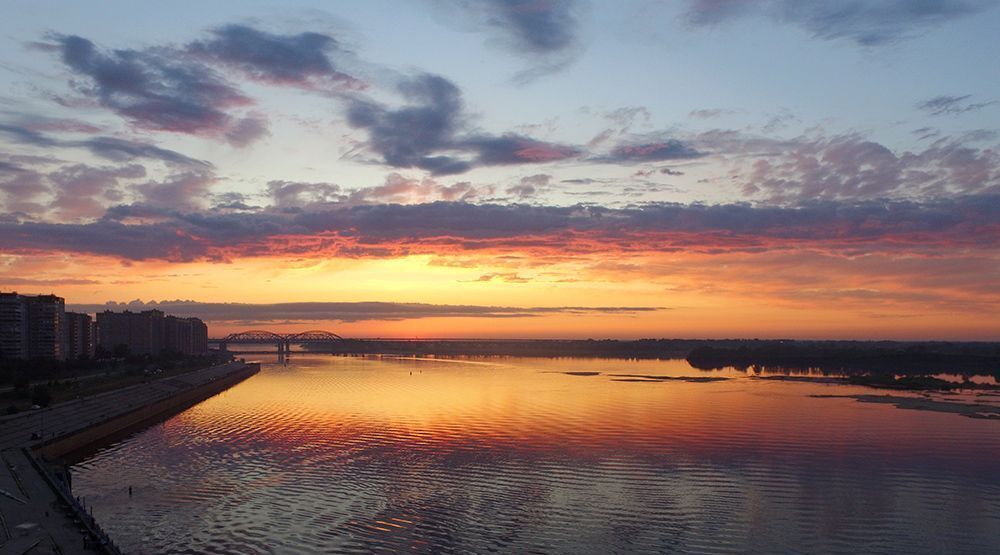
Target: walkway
<point>31,520</point>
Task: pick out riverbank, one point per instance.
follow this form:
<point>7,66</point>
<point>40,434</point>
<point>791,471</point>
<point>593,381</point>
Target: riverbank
<point>839,357</point>
<point>37,512</point>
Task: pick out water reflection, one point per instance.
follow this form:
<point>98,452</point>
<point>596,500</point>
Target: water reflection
<point>358,454</point>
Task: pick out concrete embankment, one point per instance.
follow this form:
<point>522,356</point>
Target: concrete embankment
<point>149,413</point>
<point>38,513</point>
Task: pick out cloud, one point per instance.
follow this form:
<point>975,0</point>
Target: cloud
<point>59,125</point>
<point>109,148</point>
<point>853,167</point>
<point>506,277</point>
<point>121,150</point>
<point>400,190</point>
<point>431,133</point>
<point>408,137</point>
<point>181,90</point>
<point>158,89</point>
<point>301,59</point>
<point>654,151</point>
<point>865,22</point>
<point>543,31</point>
<point>21,190</point>
<point>296,194</point>
<point>530,186</point>
<point>184,191</point>
<point>27,136</point>
<point>509,149</point>
<point>709,113</point>
<point>83,191</point>
<point>346,311</point>
<point>952,105</point>
<point>140,232</point>
<point>7,167</point>
<point>536,26</point>
<point>11,281</point>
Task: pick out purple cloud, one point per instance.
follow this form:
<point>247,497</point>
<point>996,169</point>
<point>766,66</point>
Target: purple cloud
<point>157,89</point>
<point>653,151</point>
<point>543,31</point>
<point>431,132</point>
<point>852,167</point>
<point>296,59</point>
<point>83,191</point>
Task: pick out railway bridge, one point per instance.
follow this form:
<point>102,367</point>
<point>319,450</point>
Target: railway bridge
<point>284,342</point>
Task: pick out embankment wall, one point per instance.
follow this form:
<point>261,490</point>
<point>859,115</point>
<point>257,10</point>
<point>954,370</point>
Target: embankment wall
<point>138,418</point>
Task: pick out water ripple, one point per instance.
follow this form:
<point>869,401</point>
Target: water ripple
<point>362,455</point>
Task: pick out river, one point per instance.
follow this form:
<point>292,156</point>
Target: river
<point>331,454</point>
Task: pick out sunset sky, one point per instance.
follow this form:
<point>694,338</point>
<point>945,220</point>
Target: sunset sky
<point>519,168</point>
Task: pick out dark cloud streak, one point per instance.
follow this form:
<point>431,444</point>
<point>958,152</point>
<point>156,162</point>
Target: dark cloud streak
<point>347,311</point>
<point>952,105</point>
<point>866,22</point>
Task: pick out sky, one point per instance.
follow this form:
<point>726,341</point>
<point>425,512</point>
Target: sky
<point>510,168</point>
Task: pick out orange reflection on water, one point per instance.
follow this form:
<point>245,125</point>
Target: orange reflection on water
<point>574,407</point>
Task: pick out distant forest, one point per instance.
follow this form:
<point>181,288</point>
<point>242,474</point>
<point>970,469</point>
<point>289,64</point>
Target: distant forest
<point>828,356</point>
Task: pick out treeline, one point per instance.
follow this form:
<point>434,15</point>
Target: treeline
<point>708,354</point>
<point>853,356</point>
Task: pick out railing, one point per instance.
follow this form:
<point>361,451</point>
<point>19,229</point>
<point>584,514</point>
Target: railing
<point>102,540</point>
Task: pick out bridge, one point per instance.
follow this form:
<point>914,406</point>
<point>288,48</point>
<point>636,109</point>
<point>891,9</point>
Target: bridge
<point>284,342</point>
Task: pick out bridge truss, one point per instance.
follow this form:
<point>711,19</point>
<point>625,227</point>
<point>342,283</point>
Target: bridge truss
<point>283,342</point>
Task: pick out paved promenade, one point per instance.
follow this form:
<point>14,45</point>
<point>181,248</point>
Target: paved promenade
<point>31,518</point>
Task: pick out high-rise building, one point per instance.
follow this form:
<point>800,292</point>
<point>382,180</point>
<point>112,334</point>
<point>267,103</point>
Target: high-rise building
<point>78,336</point>
<point>13,327</point>
<point>199,337</point>
<point>150,333</point>
<point>141,333</point>
<point>31,326</point>
<point>45,321</point>
<point>177,335</point>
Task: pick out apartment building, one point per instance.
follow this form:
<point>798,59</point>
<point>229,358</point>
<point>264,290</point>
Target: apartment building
<point>31,326</point>
<point>151,332</point>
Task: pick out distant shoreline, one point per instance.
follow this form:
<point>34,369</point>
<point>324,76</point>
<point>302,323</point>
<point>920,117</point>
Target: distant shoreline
<point>870,357</point>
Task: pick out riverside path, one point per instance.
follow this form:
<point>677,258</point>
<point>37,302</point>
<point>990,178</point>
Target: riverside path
<point>38,515</point>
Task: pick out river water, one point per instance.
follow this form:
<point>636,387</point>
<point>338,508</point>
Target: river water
<point>377,454</point>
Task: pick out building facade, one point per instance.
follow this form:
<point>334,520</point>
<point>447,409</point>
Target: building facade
<point>13,327</point>
<point>150,332</point>
<point>78,336</point>
<point>31,327</point>
<point>38,327</point>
